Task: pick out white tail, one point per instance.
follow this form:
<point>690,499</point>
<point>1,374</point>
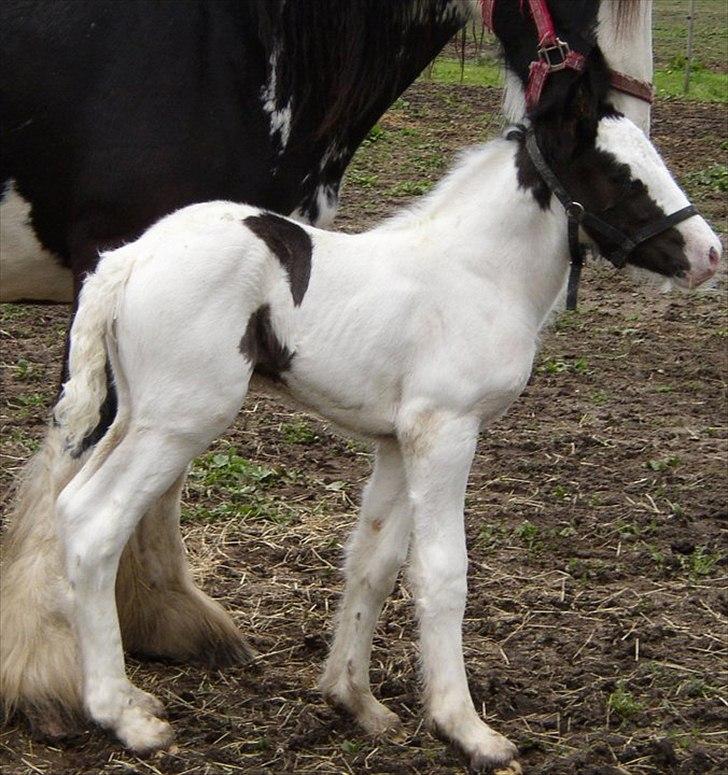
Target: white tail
<point>78,410</point>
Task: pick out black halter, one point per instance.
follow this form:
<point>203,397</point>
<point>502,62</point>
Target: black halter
<point>578,216</point>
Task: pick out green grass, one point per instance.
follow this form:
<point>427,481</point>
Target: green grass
<point>25,405</point>
<point>700,563</point>
<point>669,31</point>
<point>473,74</point>
<point>623,703</point>
<point>664,464</point>
<point>705,85</point>
<point>712,179</point>
<point>298,432</point>
<point>411,188</point>
<point>559,366</point>
<point>241,487</point>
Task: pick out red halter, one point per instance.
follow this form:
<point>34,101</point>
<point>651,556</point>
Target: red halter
<point>555,54</point>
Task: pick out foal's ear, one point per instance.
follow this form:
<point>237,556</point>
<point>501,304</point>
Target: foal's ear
<point>568,113</point>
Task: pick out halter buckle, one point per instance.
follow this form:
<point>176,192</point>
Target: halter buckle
<point>554,55</point>
<point>575,211</point>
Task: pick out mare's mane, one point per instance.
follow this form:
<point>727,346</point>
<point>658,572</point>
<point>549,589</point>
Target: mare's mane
<point>341,59</point>
<point>360,55</point>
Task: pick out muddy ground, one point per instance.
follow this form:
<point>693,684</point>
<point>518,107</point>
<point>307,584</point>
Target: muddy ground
<point>595,634</point>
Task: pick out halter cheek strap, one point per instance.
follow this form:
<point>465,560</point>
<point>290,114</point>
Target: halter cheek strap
<point>578,217</point>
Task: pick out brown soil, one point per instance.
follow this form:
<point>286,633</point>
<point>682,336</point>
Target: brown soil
<point>595,635</point>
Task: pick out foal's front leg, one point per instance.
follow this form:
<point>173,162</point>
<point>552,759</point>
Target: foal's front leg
<point>376,551</point>
<point>438,454</point>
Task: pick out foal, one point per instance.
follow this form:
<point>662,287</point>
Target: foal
<point>415,334</point>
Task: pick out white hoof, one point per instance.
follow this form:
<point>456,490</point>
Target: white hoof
<point>485,750</point>
<point>148,702</point>
<point>371,715</point>
<point>142,732</point>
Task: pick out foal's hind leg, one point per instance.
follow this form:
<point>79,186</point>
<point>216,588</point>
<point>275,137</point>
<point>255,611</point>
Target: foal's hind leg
<point>376,551</point>
<point>95,521</point>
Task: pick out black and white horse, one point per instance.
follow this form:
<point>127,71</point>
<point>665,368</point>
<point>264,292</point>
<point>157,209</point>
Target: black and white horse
<point>437,314</point>
<point>116,114</point>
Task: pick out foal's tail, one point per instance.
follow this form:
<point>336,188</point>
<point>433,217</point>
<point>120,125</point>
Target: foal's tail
<point>79,409</point>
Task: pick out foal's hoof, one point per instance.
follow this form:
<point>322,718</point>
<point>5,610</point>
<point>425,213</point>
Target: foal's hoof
<point>497,758</point>
<point>492,763</point>
<point>370,714</point>
<point>379,720</point>
<point>148,702</point>
<point>142,732</point>
<point>514,768</point>
<point>486,751</point>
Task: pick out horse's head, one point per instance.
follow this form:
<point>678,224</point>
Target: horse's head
<point>628,202</point>
<point>629,187</point>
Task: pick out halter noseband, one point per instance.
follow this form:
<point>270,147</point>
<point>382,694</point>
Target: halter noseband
<point>555,54</point>
<point>578,216</point>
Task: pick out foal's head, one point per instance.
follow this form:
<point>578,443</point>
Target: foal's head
<point>610,167</point>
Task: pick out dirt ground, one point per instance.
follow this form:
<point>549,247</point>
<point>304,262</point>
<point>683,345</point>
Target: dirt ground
<point>595,634</point>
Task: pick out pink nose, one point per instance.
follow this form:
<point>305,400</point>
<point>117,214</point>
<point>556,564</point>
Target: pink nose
<point>713,258</point>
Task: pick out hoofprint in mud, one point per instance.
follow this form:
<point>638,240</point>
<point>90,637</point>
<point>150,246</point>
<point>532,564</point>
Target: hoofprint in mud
<point>416,334</point>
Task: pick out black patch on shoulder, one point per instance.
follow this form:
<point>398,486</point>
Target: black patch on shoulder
<point>261,346</point>
<point>290,243</point>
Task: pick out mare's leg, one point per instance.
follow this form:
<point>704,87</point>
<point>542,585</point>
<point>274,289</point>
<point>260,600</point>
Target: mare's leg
<point>39,672</point>
<point>161,610</point>
<point>438,451</point>
<point>376,551</point>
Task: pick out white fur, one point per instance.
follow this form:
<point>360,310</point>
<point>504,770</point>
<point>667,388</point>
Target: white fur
<point>628,50</point>
<point>280,115</point>
<point>647,165</point>
<point>416,333</point>
<point>27,270</point>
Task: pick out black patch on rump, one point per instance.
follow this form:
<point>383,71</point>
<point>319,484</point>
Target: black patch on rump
<point>261,347</point>
<point>290,244</point>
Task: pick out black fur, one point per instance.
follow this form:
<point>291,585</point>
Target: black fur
<point>291,245</point>
<point>114,114</point>
<point>575,22</point>
<point>261,347</point>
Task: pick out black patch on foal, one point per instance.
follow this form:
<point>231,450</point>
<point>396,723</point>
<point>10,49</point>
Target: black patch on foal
<point>291,245</point>
<point>260,345</point>
<point>606,188</point>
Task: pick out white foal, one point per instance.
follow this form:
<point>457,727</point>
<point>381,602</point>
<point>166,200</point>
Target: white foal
<point>415,334</point>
